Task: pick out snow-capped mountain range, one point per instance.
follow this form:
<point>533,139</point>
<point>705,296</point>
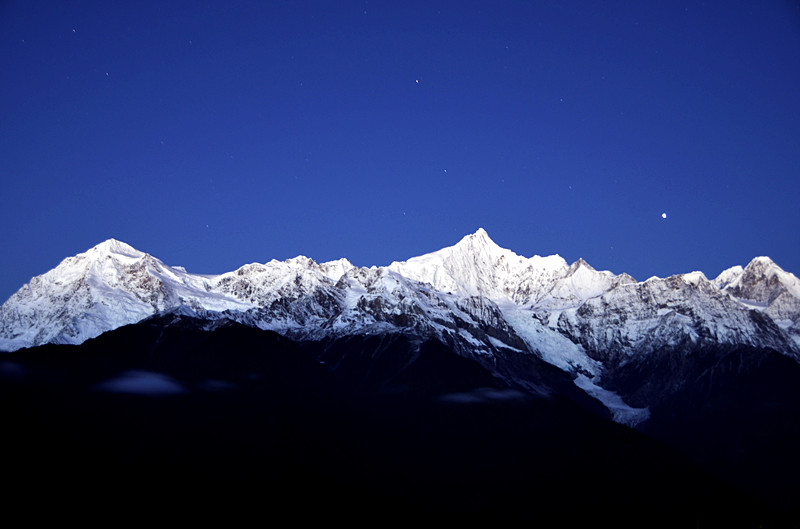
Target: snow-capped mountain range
<point>476,297</point>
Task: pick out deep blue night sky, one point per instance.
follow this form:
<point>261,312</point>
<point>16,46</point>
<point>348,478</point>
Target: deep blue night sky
<point>214,134</point>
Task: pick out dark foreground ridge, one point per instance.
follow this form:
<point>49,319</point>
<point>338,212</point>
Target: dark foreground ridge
<point>234,422</point>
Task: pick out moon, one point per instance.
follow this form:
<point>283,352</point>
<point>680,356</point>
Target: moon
<point>663,215</point>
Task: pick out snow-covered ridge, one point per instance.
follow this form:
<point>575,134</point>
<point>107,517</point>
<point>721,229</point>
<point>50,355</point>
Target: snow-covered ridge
<point>113,284</point>
<point>476,266</point>
<point>109,285</point>
<point>764,286</point>
<point>475,296</point>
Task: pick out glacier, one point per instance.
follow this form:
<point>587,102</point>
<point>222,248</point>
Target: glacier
<point>476,297</point>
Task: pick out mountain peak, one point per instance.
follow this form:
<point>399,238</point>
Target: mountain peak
<point>114,246</point>
<point>479,249</point>
<point>480,233</point>
<point>477,239</point>
<point>761,263</point>
<point>763,268</point>
<point>580,263</point>
<point>728,276</point>
<point>761,281</point>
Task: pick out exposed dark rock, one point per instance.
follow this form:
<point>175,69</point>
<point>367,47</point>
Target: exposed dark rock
<point>386,426</point>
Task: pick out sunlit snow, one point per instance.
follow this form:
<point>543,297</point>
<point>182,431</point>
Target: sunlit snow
<point>475,296</point>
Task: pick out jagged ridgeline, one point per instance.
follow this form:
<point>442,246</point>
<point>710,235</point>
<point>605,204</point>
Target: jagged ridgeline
<point>483,301</point>
<point>710,367</point>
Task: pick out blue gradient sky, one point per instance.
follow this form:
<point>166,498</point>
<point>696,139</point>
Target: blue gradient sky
<point>214,134</point>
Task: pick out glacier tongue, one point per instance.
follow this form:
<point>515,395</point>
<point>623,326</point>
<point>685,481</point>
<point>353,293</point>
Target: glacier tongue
<point>621,412</point>
<point>553,346</point>
<point>474,296</point>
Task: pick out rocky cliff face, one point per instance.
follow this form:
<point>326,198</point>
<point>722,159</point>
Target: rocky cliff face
<point>764,286</point>
<point>607,332</point>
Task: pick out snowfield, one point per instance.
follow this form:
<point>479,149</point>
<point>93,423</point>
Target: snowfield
<point>474,296</point>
